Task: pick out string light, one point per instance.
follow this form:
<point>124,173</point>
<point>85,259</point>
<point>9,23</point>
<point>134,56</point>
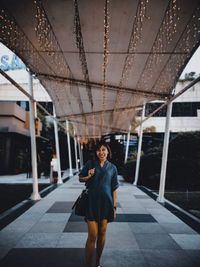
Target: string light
<point>48,43</point>
<point>136,37</point>
<point>80,46</point>
<point>164,38</point>
<point>105,58</point>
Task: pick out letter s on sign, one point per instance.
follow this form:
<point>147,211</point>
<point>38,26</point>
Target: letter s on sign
<point>4,61</point>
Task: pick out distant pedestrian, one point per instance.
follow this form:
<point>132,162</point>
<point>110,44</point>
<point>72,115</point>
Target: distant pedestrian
<point>54,167</point>
<point>101,179</point>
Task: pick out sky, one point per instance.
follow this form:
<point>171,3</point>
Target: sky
<point>194,64</point>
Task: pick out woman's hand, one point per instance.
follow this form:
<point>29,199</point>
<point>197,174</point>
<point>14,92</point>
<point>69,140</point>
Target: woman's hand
<point>114,214</point>
<point>91,173</point>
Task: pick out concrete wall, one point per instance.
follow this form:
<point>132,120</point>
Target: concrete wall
<point>14,119</point>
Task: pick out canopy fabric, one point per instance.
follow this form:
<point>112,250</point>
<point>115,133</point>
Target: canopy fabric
<point>101,60</point>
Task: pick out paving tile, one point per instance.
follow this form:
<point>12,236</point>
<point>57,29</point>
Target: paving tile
<point>9,238</point>
<point>135,210</point>
<point>121,240</point>
<point>124,257</point>
<point>142,197</point>
<point>194,256</point>
<point>119,227</point>
<point>76,187</point>
<point>156,241</point>
<point>20,226</point>
<point>134,218</point>
<point>129,204</point>
<point>158,210</point>
<point>75,218</point>
<point>146,228</point>
<point>167,258</point>
<point>162,218</point>
<point>4,251</point>
<point>44,257</point>
<point>55,217</point>
<point>177,228</point>
<point>76,227</point>
<point>187,241</point>
<point>61,207</point>
<point>72,240</point>
<point>48,227</point>
<point>38,240</point>
<point>148,203</point>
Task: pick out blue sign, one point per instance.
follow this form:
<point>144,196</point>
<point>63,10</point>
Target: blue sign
<point>14,64</point>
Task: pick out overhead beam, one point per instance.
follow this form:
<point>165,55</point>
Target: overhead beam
<point>110,52</point>
<point>98,112</point>
<point>99,86</point>
<point>99,125</point>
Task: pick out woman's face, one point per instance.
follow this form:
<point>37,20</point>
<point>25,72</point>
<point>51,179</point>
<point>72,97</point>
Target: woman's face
<point>102,153</point>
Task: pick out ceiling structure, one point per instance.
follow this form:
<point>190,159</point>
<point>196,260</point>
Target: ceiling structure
<point>101,60</point>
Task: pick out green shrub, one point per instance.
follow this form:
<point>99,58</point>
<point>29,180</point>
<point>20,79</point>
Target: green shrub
<point>183,166</point>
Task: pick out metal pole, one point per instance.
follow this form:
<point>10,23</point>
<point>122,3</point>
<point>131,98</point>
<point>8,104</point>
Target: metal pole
<point>75,149</point>
<point>127,144</point>
<point>139,148</point>
<point>35,195</point>
<point>57,147</point>
<point>69,149</point>
<point>80,156</point>
<point>164,155</point>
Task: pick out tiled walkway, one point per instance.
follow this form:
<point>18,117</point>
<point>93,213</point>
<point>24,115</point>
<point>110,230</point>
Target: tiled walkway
<point>144,234</point>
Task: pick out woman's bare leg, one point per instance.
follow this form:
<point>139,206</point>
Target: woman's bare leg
<point>90,244</point>
<point>100,240</point>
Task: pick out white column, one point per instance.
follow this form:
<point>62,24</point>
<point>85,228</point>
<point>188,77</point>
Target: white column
<point>69,149</point>
<point>127,144</point>
<point>35,195</point>
<point>139,148</point>
<point>57,147</point>
<point>81,145</point>
<point>164,155</point>
<point>80,155</point>
<point>75,150</point>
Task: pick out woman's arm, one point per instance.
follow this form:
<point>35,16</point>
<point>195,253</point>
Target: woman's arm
<point>114,203</point>
<point>86,178</point>
<point>114,198</point>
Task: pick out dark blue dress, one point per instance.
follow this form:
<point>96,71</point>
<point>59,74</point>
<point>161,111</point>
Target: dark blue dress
<point>100,189</point>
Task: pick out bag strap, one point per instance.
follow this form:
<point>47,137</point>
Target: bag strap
<point>87,184</point>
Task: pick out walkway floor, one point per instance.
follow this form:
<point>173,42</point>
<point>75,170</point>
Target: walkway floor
<point>144,233</point>
<point>21,178</point>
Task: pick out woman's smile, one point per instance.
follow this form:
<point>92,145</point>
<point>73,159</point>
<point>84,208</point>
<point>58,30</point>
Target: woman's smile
<point>102,153</point>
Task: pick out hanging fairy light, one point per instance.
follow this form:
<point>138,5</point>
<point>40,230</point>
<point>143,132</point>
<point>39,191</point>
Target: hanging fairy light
<point>176,61</point>
<point>105,58</point>
<point>48,43</point>
<point>82,57</point>
<point>136,37</point>
<point>13,37</point>
<point>164,38</point>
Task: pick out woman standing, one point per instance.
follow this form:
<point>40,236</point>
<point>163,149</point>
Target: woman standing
<point>101,179</point>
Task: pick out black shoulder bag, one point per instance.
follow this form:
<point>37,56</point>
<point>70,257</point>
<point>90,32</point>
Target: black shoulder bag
<point>80,204</point>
